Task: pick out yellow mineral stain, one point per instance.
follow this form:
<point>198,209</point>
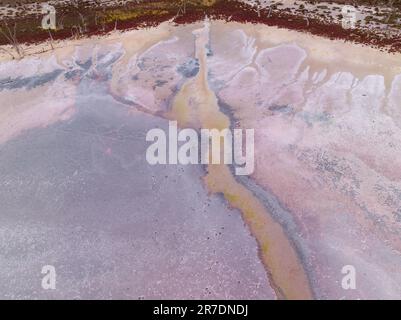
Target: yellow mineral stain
<point>196,106</point>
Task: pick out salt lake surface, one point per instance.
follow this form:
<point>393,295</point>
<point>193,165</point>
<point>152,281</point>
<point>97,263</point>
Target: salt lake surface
<point>76,191</point>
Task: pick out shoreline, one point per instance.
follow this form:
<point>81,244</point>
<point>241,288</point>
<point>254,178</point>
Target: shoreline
<point>368,58</point>
<point>147,15</point>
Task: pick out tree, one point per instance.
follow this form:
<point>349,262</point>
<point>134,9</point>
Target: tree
<point>11,36</point>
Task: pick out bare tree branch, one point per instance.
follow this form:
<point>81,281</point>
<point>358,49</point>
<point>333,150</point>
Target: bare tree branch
<point>11,37</point>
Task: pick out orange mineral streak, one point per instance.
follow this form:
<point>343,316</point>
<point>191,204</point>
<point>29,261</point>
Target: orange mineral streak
<point>196,106</point>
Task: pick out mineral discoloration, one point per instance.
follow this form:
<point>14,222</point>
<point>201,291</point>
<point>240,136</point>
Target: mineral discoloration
<point>325,193</point>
